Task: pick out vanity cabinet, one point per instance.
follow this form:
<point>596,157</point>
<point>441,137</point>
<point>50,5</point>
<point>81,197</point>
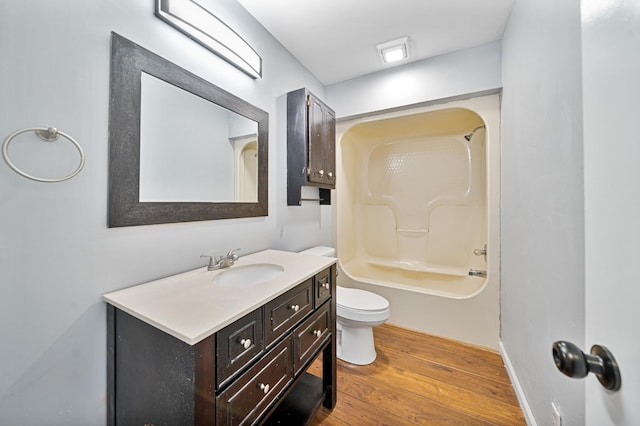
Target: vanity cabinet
<point>252,371</point>
<point>311,146</point>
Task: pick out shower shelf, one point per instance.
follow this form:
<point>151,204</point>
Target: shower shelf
<point>421,267</point>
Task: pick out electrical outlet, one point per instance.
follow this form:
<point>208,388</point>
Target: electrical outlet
<point>557,418</point>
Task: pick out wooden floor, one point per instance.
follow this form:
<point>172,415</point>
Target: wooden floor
<point>419,379</point>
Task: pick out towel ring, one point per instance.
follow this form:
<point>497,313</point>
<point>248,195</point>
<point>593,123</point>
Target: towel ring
<point>48,134</point>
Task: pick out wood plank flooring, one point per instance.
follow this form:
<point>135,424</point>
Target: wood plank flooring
<point>419,379</point>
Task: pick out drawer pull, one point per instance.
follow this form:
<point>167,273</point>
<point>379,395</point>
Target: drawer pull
<point>326,285</point>
<point>317,333</point>
<point>264,388</point>
<point>295,307</point>
<point>246,343</point>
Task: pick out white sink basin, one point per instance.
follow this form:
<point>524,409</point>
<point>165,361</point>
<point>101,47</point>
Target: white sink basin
<point>248,275</point>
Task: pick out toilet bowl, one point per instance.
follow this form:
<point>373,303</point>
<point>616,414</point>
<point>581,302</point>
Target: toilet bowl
<point>358,311</point>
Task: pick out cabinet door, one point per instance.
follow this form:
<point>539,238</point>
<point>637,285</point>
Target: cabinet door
<point>238,344</point>
<point>330,151</point>
<point>309,336</point>
<point>322,137</point>
<point>316,140</point>
<point>248,397</point>
<point>322,286</point>
<point>286,310</point>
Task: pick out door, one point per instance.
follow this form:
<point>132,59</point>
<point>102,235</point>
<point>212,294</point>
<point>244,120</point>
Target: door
<point>611,98</point>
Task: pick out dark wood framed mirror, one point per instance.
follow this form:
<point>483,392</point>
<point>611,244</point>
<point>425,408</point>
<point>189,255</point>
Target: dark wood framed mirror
<point>180,148</point>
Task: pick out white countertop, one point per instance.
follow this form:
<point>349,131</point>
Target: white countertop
<point>189,307</point>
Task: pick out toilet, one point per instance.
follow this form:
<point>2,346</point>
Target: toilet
<point>358,311</point>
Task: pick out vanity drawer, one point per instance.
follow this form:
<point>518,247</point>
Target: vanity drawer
<point>286,310</point>
<point>322,286</point>
<point>250,395</point>
<point>237,344</point>
<point>309,336</point>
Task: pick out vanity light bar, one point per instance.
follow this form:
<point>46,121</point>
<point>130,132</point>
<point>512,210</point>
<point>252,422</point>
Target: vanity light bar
<point>202,26</point>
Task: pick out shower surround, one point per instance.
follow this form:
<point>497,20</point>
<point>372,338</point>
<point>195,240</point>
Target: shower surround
<point>417,215</point>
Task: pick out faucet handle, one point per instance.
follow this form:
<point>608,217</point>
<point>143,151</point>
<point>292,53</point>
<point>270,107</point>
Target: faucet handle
<point>232,254</point>
<point>211,259</point>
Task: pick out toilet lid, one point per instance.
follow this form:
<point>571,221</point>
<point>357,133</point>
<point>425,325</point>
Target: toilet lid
<point>353,298</point>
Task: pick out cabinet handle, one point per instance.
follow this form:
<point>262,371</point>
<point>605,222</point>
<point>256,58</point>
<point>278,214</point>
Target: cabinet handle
<point>321,172</point>
<point>295,307</point>
<point>246,343</point>
<point>326,285</point>
<point>330,174</point>
<point>264,388</point>
<point>317,333</point>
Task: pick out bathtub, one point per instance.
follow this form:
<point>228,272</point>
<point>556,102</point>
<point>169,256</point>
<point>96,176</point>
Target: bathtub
<point>417,215</point>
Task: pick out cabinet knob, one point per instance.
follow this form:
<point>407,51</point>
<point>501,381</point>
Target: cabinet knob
<point>330,174</point>
<point>295,307</point>
<point>321,172</point>
<point>317,333</point>
<point>264,388</point>
<point>246,343</point>
<point>326,285</point>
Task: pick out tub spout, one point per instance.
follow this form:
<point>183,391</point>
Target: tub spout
<point>477,273</point>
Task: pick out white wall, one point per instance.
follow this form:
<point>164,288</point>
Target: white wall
<point>542,297</point>
<point>57,256</point>
<point>459,73</point>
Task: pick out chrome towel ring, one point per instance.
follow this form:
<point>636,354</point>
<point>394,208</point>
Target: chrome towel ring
<point>47,134</point>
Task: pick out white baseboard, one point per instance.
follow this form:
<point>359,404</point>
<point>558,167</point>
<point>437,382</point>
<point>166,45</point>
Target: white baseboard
<point>522,399</point>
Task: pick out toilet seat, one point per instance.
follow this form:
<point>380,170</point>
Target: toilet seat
<point>356,299</point>
<point>361,305</point>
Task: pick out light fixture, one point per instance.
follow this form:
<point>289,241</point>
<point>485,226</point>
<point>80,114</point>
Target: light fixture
<point>195,21</point>
<point>394,50</point>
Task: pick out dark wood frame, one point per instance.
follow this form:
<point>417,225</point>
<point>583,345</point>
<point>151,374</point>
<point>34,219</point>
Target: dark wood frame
<point>128,61</point>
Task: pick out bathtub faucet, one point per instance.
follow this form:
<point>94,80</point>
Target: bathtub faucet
<point>223,262</point>
<point>477,273</point>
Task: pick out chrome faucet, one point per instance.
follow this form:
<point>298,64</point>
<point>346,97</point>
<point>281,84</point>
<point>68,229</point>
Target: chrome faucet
<point>223,261</point>
<point>477,273</point>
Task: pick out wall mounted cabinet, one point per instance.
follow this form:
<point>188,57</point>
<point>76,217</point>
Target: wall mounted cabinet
<point>311,142</point>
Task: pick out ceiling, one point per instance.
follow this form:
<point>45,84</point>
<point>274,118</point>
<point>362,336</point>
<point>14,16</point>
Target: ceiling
<point>336,39</point>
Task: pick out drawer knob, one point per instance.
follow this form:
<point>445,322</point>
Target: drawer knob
<point>246,343</point>
<point>326,285</point>
<point>317,333</point>
<point>264,388</point>
<point>330,174</point>
<point>295,307</point>
<point>321,172</point>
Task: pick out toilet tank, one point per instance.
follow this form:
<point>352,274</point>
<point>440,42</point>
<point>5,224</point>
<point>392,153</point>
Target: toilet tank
<point>320,251</point>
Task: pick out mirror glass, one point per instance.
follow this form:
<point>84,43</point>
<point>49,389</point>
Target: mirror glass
<point>195,150</point>
<point>180,148</point>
